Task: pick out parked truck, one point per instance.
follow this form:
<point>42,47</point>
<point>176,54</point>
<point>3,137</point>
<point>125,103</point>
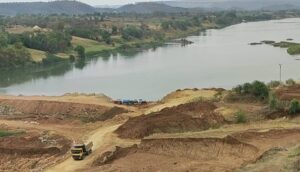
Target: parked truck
<point>80,151</point>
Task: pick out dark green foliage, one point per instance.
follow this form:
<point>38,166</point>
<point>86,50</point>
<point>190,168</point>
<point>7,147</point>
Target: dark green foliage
<point>80,51</point>
<point>131,32</point>
<point>294,107</point>
<point>257,89</point>
<point>114,30</point>
<point>93,34</point>
<point>72,58</point>
<point>5,133</point>
<point>14,55</point>
<point>227,18</point>
<point>51,59</point>
<point>52,42</point>
<point>106,37</point>
<point>290,82</point>
<point>3,39</point>
<point>273,102</point>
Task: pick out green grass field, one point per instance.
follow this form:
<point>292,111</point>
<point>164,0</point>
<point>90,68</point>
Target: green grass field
<point>90,45</point>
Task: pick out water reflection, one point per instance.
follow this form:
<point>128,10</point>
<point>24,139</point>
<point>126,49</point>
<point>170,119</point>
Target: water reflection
<point>9,77</point>
<point>21,75</point>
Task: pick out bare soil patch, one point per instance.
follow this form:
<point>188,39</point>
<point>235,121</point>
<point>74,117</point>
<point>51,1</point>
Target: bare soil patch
<point>199,154</point>
<point>288,93</point>
<point>41,109</point>
<point>194,116</point>
<point>32,151</point>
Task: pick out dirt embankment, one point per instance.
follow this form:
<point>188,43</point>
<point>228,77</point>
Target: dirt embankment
<point>41,109</point>
<point>288,93</point>
<point>31,151</point>
<point>194,116</point>
<point>198,154</point>
<point>186,154</point>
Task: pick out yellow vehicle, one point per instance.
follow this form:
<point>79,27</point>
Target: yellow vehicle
<point>80,151</point>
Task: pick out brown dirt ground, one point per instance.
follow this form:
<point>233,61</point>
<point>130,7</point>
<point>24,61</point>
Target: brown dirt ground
<point>186,133</point>
<point>44,109</point>
<point>288,93</point>
<point>200,154</point>
<point>31,151</point>
<point>60,116</point>
<point>193,116</point>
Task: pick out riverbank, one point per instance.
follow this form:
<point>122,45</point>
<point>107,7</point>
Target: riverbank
<point>127,35</point>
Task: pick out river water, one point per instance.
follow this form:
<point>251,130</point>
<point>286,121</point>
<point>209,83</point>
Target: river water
<point>218,58</point>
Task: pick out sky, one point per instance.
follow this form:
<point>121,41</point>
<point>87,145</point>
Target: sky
<point>91,2</point>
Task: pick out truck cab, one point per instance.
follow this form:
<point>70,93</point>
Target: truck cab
<point>80,151</point>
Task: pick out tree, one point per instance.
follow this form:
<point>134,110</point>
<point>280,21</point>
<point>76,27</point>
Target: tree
<point>80,51</point>
<point>3,40</point>
<point>259,89</point>
<point>294,107</point>
<point>131,32</point>
<point>114,30</point>
<point>106,37</point>
<point>14,56</point>
<point>290,82</point>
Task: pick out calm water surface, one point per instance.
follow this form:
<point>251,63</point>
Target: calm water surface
<point>218,58</point>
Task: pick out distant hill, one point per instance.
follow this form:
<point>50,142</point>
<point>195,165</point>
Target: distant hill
<point>150,7</point>
<point>54,7</point>
<point>236,4</point>
<point>72,7</point>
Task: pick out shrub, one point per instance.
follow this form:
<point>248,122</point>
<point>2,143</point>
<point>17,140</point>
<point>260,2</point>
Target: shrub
<point>238,89</point>
<point>290,82</point>
<point>51,59</point>
<point>273,102</point>
<point>240,117</point>
<point>72,58</point>
<point>294,106</point>
<point>80,51</point>
<point>274,84</point>
<point>259,89</point>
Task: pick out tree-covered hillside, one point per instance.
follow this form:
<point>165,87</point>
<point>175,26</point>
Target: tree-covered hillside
<point>53,7</point>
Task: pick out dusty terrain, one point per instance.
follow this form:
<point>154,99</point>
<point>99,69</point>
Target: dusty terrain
<point>188,130</point>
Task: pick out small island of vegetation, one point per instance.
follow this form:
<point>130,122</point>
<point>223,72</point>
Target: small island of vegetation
<point>293,48</point>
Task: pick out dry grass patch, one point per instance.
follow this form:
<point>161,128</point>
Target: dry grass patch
<point>181,97</point>
<point>37,55</point>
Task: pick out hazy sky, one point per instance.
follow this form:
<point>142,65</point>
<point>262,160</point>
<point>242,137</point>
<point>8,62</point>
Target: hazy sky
<point>91,2</point>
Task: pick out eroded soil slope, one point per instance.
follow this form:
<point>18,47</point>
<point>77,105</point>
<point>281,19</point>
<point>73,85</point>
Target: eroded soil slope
<point>31,151</point>
<point>198,154</point>
<point>39,109</point>
<point>194,116</point>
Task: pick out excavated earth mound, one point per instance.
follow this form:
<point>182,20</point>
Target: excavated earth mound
<point>194,116</point>
<point>19,109</point>
<point>198,154</point>
<point>32,151</point>
<point>186,154</point>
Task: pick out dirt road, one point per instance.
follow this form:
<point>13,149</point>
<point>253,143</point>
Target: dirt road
<point>101,138</point>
